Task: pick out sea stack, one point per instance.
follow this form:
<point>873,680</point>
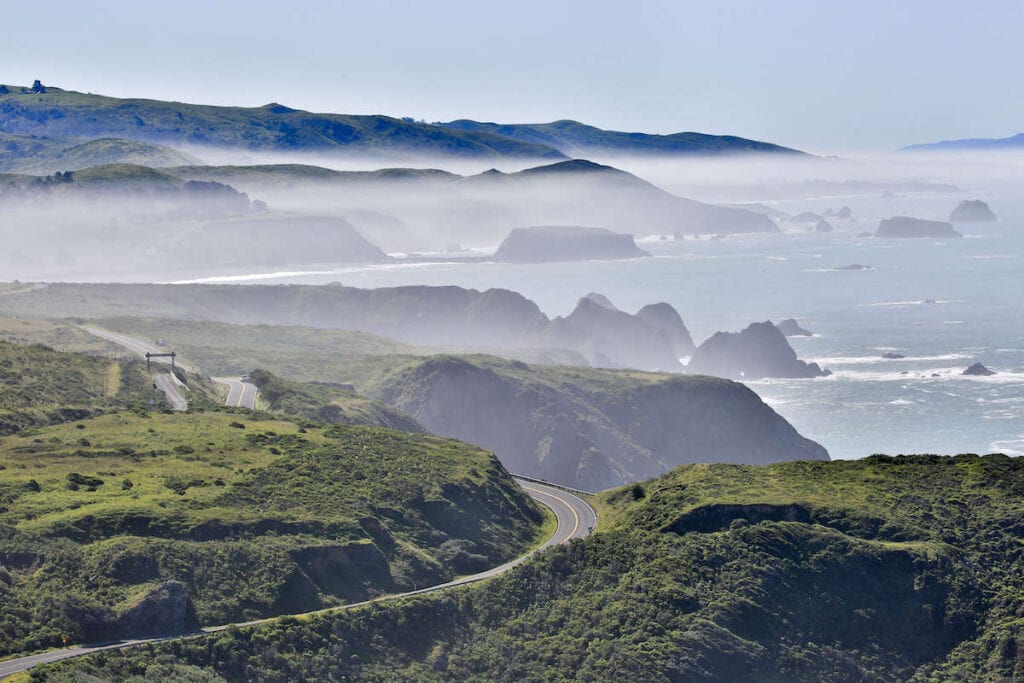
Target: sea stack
<point>908,227</point>
<point>972,211</point>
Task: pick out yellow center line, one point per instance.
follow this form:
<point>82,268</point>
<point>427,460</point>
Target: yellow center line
<point>575,515</point>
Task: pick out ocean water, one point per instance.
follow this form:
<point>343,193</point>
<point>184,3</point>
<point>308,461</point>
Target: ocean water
<point>944,304</point>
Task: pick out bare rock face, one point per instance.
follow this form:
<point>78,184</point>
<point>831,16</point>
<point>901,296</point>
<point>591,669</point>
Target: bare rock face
<point>791,328</point>
<point>823,226</point>
<point>608,337</point>
<point>165,609</point>
<point>906,226</point>
<point>972,211</point>
<point>757,352</point>
<point>978,370</point>
<point>566,243</point>
<point>666,320</point>
<point>845,213</point>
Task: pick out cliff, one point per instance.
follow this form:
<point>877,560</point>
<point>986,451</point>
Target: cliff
<point>589,428</point>
<point>566,243</point>
<point>905,226</point>
<point>759,351</point>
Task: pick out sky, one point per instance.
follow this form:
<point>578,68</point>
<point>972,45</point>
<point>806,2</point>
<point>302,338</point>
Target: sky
<point>827,77</point>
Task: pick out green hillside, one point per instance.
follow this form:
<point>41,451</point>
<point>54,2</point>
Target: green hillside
<point>575,138</point>
<point>328,402</point>
<point>40,386</point>
<point>272,127</point>
<point>140,522</point>
<point>882,569</point>
<point>42,155</point>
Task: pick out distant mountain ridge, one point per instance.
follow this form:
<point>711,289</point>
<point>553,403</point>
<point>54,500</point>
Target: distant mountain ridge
<point>574,139</point>
<point>272,127</point>
<point>54,112</point>
<point>969,144</point>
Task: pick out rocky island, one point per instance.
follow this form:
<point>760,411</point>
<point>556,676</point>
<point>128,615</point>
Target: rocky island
<point>757,352</point>
<point>791,328</point>
<point>906,226</point>
<point>972,211</point>
<point>566,243</point>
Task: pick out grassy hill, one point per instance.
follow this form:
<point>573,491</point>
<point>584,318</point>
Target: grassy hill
<point>579,139</point>
<point>329,402</point>
<point>141,522</point>
<point>272,127</point>
<point>44,155</point>
<point>882,569</point>
<point>40,386</point>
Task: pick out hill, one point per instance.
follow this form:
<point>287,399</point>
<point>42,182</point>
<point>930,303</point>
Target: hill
<point>430,208</point>
<point>35,155</point>
<point>880,569</point>
<point>139,523</point>
<point>970,144</point>
<point>270,128</point>
<point>40,386</point>
<point>328,402</point>
<point>578,139</point>
<point>450,317</point>
<point>582,427</point>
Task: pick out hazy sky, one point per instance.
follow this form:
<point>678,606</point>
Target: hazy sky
<point>826,76</point>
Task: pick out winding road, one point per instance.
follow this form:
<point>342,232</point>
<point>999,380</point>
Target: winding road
<point>164,381</point>
<point>575,517</point>
<point>240,394</point>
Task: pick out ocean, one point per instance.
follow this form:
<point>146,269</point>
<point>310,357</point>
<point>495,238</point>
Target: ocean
<point>944,304</point>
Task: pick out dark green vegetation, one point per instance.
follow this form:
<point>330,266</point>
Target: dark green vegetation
<point>328,402</point>
<point>40,386</point>
<point>883,569</point>
<point>273,127</point>
<point>579,139</point>
<point>139,522</point>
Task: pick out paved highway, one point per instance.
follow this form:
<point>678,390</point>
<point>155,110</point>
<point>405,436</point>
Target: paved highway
<point>240,394</point>
<point>575,520</point>
<point>164,381</point>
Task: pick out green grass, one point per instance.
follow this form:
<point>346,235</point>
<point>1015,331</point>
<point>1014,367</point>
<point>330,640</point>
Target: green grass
<point>907,568</point>
<point>254,515</point>
<point>298,353</point>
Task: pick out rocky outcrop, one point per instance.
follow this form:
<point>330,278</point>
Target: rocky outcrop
<point>566,243</point>
<point>844,213</point>
<point>611,338</point>
<point>454,317</point>
<point>791,328</point>
<point>757,352</point>
<point>906,226</point>
<point>165,609</point>
<point>978,370</point>
<point>590,428</point>
<point>972,211</point>
<point>666,320</point>
<point>823,226</point>
<point>806,217</point>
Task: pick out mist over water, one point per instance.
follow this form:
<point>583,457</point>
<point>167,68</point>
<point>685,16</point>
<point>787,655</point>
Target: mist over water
<point>942,304</point>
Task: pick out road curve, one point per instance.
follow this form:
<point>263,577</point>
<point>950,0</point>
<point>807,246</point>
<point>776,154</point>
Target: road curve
<point>240,394</point>
<point>165,382</point>
<point>575,517</point>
